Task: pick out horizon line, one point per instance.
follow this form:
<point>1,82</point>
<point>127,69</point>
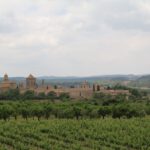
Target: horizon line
<point>78,76</point>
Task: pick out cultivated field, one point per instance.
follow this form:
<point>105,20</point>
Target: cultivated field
<point>72,134</point>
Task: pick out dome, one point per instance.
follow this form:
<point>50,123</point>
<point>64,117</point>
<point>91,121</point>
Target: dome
<point>31,76</point>
<point>5,77</point>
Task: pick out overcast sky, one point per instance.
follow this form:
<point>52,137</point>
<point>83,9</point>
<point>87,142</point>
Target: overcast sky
<point>74,37</point>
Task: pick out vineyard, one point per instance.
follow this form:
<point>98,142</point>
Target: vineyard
<point>72,134</point>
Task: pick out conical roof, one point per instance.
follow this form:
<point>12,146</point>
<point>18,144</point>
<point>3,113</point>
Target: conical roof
<point>31,76</point>
<point>5,77</point>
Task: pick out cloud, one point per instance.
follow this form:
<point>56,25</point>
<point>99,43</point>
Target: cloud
<point>63,37</point>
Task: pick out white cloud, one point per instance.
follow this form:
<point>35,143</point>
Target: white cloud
<point>63,37</point>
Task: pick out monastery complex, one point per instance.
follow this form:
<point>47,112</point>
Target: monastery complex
<point>85,90</point>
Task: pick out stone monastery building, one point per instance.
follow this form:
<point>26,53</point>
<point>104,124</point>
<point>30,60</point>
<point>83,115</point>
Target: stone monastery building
<point>82,91</point>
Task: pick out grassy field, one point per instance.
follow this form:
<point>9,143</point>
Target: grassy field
<point>61,134</point>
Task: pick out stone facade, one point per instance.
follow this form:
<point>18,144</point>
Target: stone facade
<point>82,91</point>
<point>6,84</point>
<point>30,82</point>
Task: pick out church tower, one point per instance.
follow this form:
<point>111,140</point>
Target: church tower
<point>5,78</point>
<point>85,85</point>
<point>6,84</point>
<point>31,82</point>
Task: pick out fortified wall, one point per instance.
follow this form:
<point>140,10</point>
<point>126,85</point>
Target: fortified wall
<point>85,90</point>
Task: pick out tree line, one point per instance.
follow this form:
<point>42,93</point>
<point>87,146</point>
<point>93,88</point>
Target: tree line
<point>69,110</point>
<point>14,94</point>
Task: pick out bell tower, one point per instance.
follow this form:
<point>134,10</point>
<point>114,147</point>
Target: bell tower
<point>31,82</point>
<point>5,77</point>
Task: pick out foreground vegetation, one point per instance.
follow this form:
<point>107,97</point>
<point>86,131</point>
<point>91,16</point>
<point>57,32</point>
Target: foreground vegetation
<point>72,109</point>
<point>45,122</point>
<point>71,134</point>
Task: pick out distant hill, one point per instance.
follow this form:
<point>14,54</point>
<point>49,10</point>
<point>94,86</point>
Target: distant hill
<point>105,79</point>
<point>143,81</point>
<point>92,78</point>
<point>132,80</point>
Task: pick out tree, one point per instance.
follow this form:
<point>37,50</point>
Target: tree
<point>28,95</point>
<point>103,111</point>
<point>131,113</point>
<point>67,113</point>
<point>55,112</point>
<point>41,95</point>
<point>136,93</point>
<point>116,113</point>
<point>25,112</point>
<point>5,112</point>
<point>120,87</point>
<point>12,94</point>
<point>33,111</point>
<point>99,95</point>
<point>52,95</point>
<point>55,87</point>
<point>86,111</point>
<point>47,111</point>
<point>122,110</point>
<point>39,112</point>
<point>77,112</point>
<point>63,96</point>
<point>72,86</point>
<point>93,113</point>
<point>15,112</point>
<point>141,113</point>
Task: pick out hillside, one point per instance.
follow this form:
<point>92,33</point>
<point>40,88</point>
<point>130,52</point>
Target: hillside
<point>105,79</point>
<point>143,81</point>
<point>72,80</point>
